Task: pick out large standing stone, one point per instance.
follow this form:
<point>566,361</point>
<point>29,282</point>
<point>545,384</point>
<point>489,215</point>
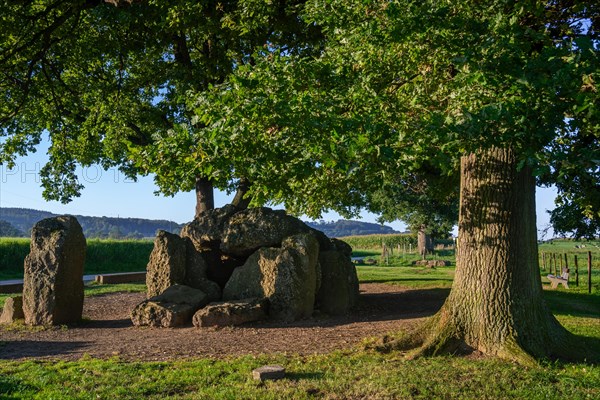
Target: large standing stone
<point>167,263</point>
<point>173,307</point>
<point>248,230</point>
<point>339,283</point>
<point>231,313</point>
<point>53,281</point>
<point>13,310</point>
<point>286,276</point>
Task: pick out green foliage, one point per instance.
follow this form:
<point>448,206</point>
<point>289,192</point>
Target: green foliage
<point>103,256</point>
<point>568,219</point>
<point>12,255</point>
<point>402,87</point>
<point>117,255</point>
<point>7,230</point>
<point>111,83</point>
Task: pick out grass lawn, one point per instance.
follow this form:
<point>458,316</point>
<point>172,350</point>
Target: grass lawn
<point>355,373</point>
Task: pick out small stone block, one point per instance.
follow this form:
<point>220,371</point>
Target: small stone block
<point>13,310</point>
<point>269,372</point>
<point>123,277</point>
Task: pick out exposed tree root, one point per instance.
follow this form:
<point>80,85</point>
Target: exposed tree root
<point>441,335</point>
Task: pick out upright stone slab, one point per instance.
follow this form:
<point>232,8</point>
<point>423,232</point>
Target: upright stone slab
<point>53,281</point>
<point>167,263</point>
<point>339,283</point>
<point>286,276</point>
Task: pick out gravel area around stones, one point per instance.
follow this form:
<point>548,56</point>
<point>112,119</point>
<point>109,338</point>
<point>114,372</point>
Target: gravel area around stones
<point>107,330</point>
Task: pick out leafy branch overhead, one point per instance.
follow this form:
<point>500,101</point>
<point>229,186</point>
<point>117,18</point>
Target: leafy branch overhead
<point>109,82</point>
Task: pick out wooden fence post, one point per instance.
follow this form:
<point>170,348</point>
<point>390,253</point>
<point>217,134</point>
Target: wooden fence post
<point>561,265</point>
<point>543,261</point>
<point>576,272</point>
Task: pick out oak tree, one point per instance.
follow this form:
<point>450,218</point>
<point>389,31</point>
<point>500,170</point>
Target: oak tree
<point>500,88</point>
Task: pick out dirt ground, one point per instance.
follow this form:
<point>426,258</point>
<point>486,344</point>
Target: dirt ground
<point>107,330</point>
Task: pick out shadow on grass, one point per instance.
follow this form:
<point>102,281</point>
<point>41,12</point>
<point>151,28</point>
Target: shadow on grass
<point>13,349</point>
<point>374,307</point>
<point>574,304</point>
<point>296,376</point>
<point>590,343</point>
<point>10,385</point>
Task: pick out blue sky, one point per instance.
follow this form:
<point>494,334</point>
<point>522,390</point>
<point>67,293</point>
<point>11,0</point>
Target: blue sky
<point>108,193</point>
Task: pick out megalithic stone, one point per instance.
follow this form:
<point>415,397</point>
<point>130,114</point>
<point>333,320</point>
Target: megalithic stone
<point>53,281</point>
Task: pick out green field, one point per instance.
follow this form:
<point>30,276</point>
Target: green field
<point>102,256</point>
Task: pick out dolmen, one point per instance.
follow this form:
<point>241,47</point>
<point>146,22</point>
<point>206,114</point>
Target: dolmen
<point>231,266</point>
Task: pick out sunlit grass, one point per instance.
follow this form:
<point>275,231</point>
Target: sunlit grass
<point>351,374</point>
<point>355,373</point>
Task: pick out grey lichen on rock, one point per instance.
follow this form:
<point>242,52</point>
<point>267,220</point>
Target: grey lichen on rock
<point>256,253</point>
<point>247,231</point>
<point>207,229</point>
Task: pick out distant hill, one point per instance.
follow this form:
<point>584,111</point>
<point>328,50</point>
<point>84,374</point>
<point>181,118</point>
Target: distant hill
<point>7,230</point>
<point>345,227</point>
<point>23,220</point>
<point>17,222</point>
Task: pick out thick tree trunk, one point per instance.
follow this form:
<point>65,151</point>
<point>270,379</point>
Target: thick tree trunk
<point>424,243</point>
<point>241,200</point>
<point>495,305</point>
<point>205,199</point>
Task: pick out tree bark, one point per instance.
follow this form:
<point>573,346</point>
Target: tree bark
<point>495,305</point>
<point>424,243</point>
<point>241,200</point>
<point>205,199</point>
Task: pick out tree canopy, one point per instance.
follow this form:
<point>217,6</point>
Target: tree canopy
<point>404,84</point>
<point>506,89</point>
<point>110,83</point>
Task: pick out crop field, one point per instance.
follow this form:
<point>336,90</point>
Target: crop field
<point>102,256</point>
